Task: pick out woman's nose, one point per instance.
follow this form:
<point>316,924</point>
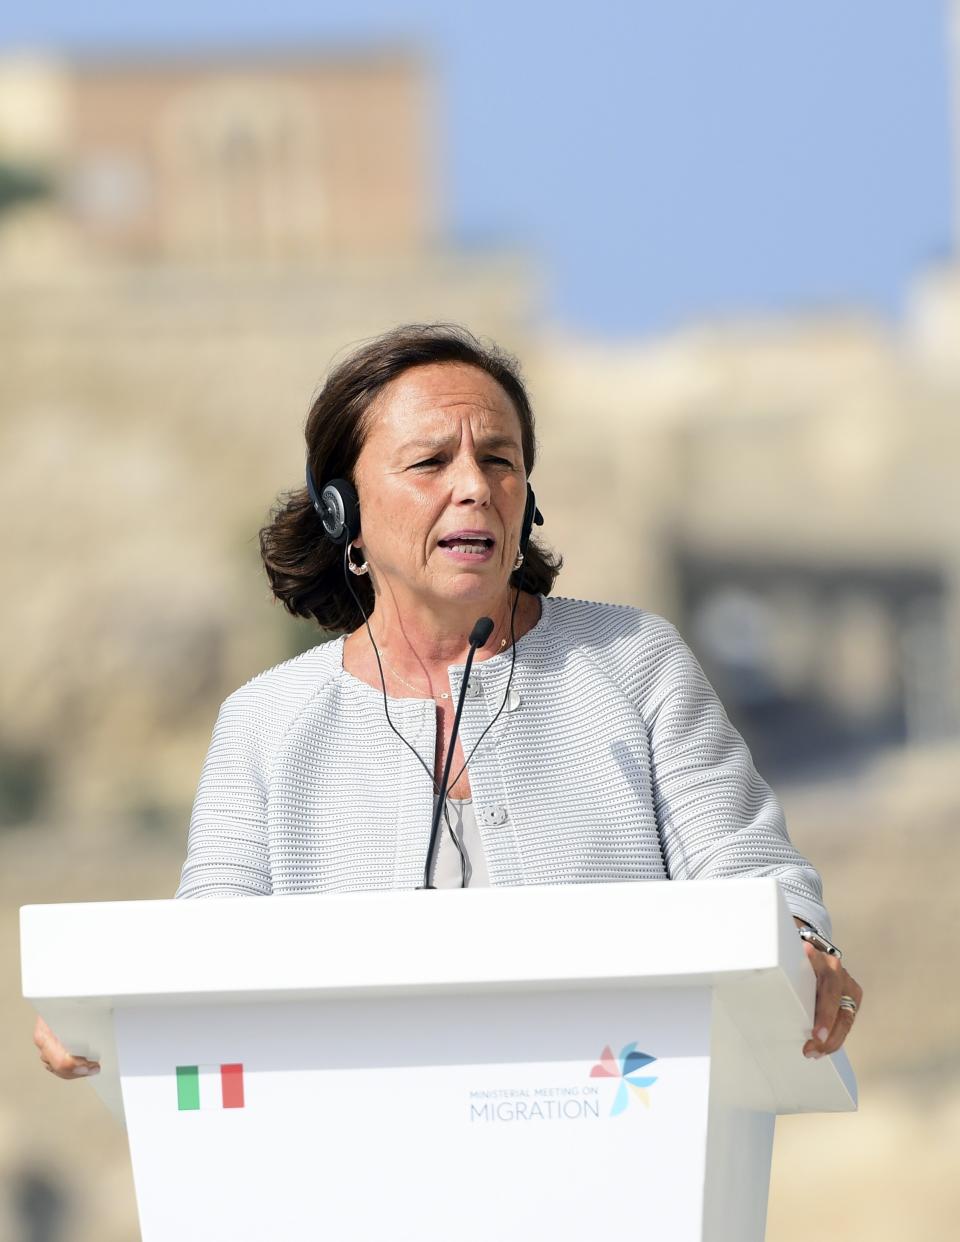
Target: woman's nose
<point>470,484</point>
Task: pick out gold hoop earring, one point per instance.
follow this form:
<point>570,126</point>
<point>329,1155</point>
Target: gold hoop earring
<point>359,570</point>
<point>519,561</point>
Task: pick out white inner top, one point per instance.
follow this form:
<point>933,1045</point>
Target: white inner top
<point>463,823</point>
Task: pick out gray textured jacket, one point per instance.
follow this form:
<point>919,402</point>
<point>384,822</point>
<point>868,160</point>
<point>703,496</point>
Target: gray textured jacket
<point>616,761</point>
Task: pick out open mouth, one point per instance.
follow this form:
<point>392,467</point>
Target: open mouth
<point>467,544</point>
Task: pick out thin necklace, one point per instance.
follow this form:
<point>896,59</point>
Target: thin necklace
<point>418,691</point>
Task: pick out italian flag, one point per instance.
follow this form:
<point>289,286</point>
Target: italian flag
<point>209,1086</point>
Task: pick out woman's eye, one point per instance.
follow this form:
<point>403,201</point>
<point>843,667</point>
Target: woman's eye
<point>439,461</point>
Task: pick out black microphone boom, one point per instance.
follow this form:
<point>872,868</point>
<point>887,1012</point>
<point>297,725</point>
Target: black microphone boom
<point>478,637</point>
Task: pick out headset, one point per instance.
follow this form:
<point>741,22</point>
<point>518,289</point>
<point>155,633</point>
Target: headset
<point>338,508</point>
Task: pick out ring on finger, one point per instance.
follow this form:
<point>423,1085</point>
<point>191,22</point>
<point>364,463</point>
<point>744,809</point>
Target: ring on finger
<point>847,1002</point>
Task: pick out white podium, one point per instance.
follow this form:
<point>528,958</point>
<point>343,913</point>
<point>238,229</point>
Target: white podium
<point>586,1062</point>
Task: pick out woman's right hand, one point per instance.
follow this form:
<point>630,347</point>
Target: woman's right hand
<point>56,1058</point>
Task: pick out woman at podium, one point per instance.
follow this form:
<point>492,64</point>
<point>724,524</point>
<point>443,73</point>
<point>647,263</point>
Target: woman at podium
<point>468,727</point>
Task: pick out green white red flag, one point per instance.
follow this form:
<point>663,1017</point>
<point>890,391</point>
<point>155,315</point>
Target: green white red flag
<point>209,1086</point>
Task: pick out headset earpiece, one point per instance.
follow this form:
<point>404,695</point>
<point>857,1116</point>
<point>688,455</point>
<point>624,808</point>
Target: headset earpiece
<point>531,517</point>
<point>338,508</point>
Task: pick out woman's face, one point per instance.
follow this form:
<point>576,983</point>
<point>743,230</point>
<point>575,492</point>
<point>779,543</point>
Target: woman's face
<point>442,486</point>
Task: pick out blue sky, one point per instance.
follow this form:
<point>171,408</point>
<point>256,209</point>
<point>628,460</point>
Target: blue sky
<point>663,161</point>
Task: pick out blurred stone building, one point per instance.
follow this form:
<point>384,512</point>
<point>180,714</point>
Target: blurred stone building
<point>219,160</point>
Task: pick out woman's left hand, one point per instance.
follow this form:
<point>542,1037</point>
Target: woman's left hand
<point>831,1024</point>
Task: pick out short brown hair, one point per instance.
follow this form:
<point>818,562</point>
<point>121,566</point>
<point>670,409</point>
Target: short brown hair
<point>304,568</point>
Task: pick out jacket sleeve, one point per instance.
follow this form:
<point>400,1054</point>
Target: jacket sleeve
<point>227,844</point>
<point>716,815</point>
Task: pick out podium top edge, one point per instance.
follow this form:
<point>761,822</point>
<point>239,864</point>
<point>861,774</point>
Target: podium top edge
<point>377,940</point>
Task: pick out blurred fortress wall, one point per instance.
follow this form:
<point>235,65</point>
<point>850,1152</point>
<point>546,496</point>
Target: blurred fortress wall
<point>782,489</point>
<point>210,234</point>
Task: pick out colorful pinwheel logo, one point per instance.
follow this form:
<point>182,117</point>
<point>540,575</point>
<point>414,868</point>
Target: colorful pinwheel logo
<point>626,1067</point>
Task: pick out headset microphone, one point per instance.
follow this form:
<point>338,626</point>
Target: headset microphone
<point>478,636</point>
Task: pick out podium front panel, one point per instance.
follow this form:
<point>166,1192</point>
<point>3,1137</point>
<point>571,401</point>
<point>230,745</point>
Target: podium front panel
<point>556,1114</point>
